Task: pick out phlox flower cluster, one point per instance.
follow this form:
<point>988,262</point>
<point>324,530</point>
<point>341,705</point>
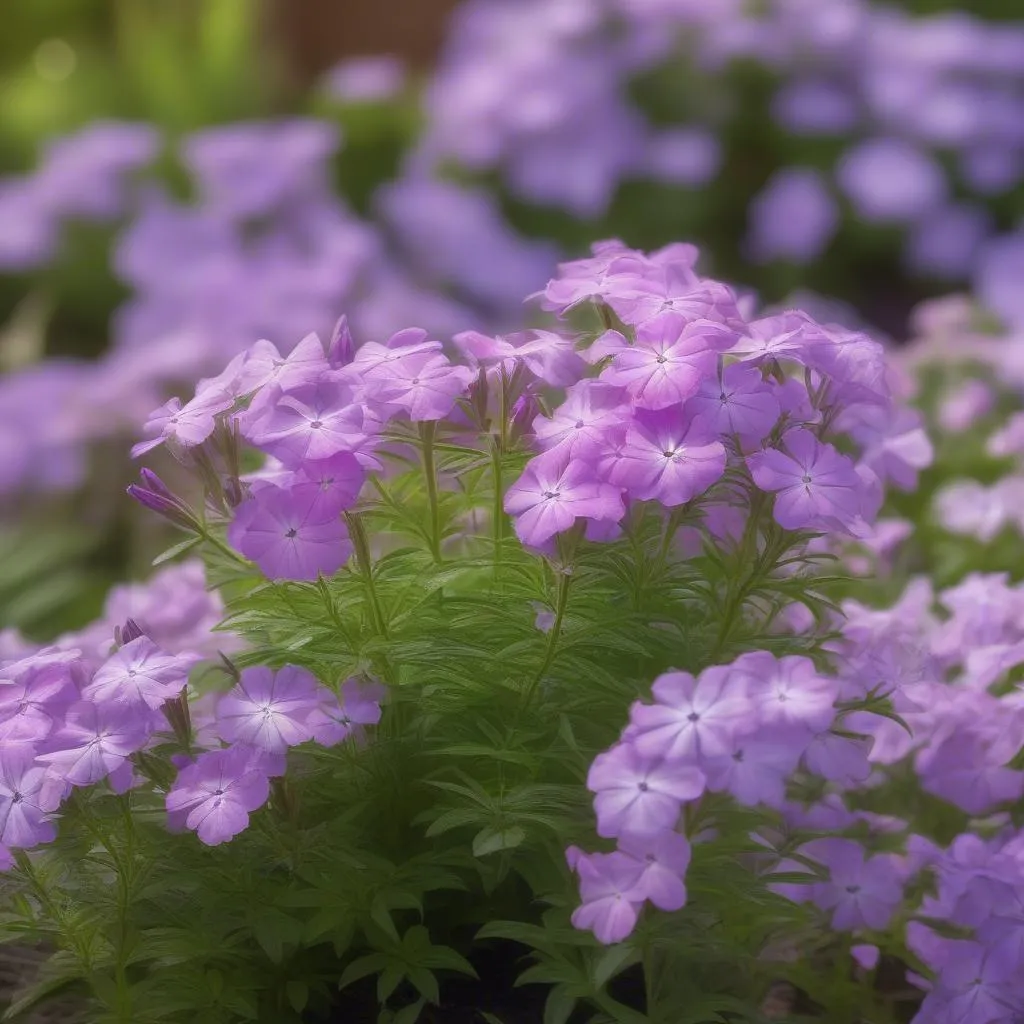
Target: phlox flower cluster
<point>81,712</point>
<point>906,96</point>
<point>264,248</point>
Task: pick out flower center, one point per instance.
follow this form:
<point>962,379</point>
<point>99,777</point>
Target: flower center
<point>218,792</point>
<point>662,359</point>
<point>292,533</point>
<point>548,495</point>
<point>579,424</point>
<point>316,424</point>
<point>806,478</point>
<point>669,454</point>
<point>693,717</point>
<point>16,797</point>
<point>723,398</point>
<point>738,756</point>
<point>643,787</point>
<point>851,889</point>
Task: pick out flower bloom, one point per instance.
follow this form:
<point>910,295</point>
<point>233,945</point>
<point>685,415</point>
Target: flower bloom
<point>139,673</point>
<point>553,492</point>
<point>215,796</point>
<point>268,710</point>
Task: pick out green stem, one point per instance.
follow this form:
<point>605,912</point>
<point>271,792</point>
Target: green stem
<point>361,547</point>
<point>212,538</point>
<point>561,600</point>
<point>498,507</point>
<point>427,433</point>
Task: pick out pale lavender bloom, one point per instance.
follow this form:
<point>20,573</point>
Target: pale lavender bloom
<point>890,179</point>
<point>290,533</point>
<point>597,277</point>
<point>740,403</point>
<point>638,795</point>
<point>815,486</point>
<point>309,421</point>
<point>611,894</point>
<point>139,673</point>
<point>665,857</point>
<point>550,357</point>
<point>269,711</point>
<point>345,715</point>
<point>997,276</point>
<point>946,243</point>
<point>968,507</point>
<point>94,740</point>
<point>34,693</point>
<point>861,892</point>
<point>1009,439</point>
<point>340,478</point>
<point>669,361</point>
<point>262,364</point>
<point>366,79</point>
<point>29,237</point>
<point>424,385</point>
<point>25,800</point>
<point>253,168</point>
<point>787,692</point>
<point>590,413</point>
<point>668,457</point>
<point>895,445</point>
<point>689,157</point>
<point>840,759</point>
<point>553,492</point>
<point>693,719</point>
<point>184,426</point>
<point>793,218</point>
<point>969,402</point>
<point>809,106</point>
<point>215,795</point>
<point>754,771</point>
<point>992,169</point>
<point>962,770</point>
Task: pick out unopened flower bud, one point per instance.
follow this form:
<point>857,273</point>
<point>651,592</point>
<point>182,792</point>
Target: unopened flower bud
<point>341,350</point>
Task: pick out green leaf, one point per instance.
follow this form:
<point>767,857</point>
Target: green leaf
<point>178,549</point>
<point>426,984</point>
<point>361,968</point>
<point>408,1014</point>
<point>560,1003</point>
<point>390,978</point>
<point>298,995</point>
<point>491,840</point>
<point>613,961</point>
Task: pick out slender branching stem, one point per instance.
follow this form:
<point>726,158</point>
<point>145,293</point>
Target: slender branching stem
<point>428,432</point>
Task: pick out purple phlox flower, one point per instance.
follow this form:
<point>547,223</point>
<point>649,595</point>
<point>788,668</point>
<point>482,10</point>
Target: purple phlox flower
<point>672,287</point>
<point>665,858</point>
<point>544,619</point>
<point>891,180</point>
<point>861,892</point>
<point>739,403</point>
<point>139,673</point>
<point>611,894</point>
<point>310,421</point>
<point>962,770</point>
<point>252,168</point>
<point>370,79</point>
<point>345,715</point>
<point>793,218</point>
<point>997,277</point>
<point>554,490</point>
<point>267,710</point>
<point>843,760</point>
<point>374,360</point>
<point>671,358</point>
<point>424,385</point>
<point>25,800</point>
<point>984,666</point>
<point>94,740</point>
<point>1009,439</point>
<point>263,365</point>
<point>124,778</point>
<point>896,446</point>
<point>684,156</point>
<point>815,486</point>
<point>975,985</point>
<point>815,106</point>
<point>217,793</point>
<point>184,426</point>
<point>290,533</point>
<point>945,243</point>
<point>669,457</point>
<point>340,478</point>
<point>985,610</point>
<point>782,336</point>
<point>34,693</point>
<point>967,507</point>
<point>849,367</point>
<point>638,795</point>
<point>549,356</point>
<point>755,770</point>
<point>789,691</point>
<point>693,719</point>
<point>595,278</point>
<point>581,424</point>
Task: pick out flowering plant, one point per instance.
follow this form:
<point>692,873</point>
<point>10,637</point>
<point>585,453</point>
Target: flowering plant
<point>469,591</point>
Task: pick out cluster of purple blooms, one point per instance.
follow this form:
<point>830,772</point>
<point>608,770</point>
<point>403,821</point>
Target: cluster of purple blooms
<point>265,248</point>
<point>906,92</point>
<point>80,712</point>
